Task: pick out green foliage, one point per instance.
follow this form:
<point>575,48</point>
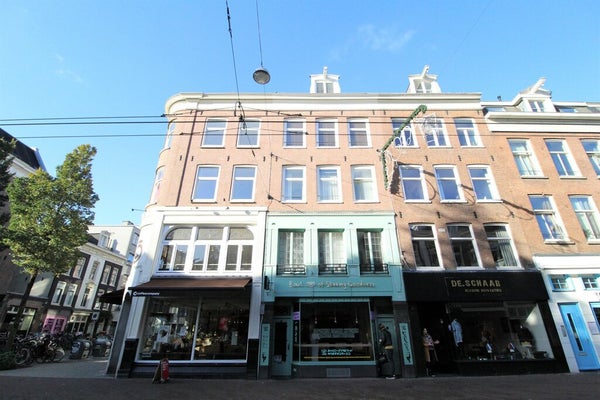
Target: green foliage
<point>7,360</point>
<point>6,160</point>
<point>50,216</point>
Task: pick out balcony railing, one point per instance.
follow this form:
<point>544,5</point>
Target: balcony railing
<point>333,269</point>
<point>367,269</point>
<point>291,269</point>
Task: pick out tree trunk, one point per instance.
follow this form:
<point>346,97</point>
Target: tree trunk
<point>12,333</point>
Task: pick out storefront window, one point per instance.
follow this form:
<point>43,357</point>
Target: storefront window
<point>334,331</point>
<point>208,328</point>
<point>502,331</point>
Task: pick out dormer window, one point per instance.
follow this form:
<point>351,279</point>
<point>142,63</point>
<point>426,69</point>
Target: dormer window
<point>423,83</point>
<point>325,83</point>
<point>536,105</point>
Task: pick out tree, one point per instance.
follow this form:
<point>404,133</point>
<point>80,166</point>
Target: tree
<point>49,219</point>
<point>6,159</point>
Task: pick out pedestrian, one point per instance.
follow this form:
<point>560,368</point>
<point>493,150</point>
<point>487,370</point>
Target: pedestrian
<point>387,347</point>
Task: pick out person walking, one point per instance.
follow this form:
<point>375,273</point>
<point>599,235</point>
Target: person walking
<point>387,347</point>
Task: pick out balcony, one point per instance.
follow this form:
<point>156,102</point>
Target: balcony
<point>374,269</point>
<point>333,269</point>
<point>291,269</point>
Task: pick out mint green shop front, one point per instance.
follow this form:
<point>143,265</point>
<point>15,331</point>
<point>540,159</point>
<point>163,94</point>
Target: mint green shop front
<point>329,280</point>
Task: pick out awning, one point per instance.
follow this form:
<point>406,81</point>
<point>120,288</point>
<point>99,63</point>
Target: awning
<point>114,297</point>
<point>158,286</point>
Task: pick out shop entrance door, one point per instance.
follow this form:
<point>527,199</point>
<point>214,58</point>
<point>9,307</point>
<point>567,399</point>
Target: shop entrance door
<point>389,323</point>
<point>579,337</point>
<point>281,365</point>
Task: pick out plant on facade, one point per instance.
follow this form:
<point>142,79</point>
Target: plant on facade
<point>6,160</point>
<point>49,218</point>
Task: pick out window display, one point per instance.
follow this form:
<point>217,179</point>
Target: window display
<point>333,331</point>
<point>196,328</point>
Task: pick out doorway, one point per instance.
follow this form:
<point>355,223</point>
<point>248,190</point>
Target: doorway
<point>579,337</point>
<point>281,365</point>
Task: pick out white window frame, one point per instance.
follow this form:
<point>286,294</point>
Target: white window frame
<point>170,134</point>
<point>290,133</point>
<point>248,133</point>
<point>358,133</point>
<point>503,244</point>
<point>290,248</point>
<point>561,283</point>
<point>525,159</point>
<point>563,159</point>
<point>331,247</point>
<point>487,180</point>
<point>59,292</point>
<point>370,250</point>
<point>206,179</point>
<point>213,129</point>
<point>590,282</point>
<point>468,135</point>
<point>464,239</point>
<point>588,216</point>
<point>548,219</point>
<point>536,105</point>
<point>175,249</point>
<point>448,182</point>
<point>289,182</point>
<point>158,178</point>
<point>592,149</point>
<point>326,132</point>
<point>429,239</point>
<point>365,183</point>
<point>240,181</point>
<point>243,247</point>
<point>403,170</point>
<point>439,137</point>
<point>70,295</point>
<point>78,268</point>
<point>329,188</point>
<point>406,138</point>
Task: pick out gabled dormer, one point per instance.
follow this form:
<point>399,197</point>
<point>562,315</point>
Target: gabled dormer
<point>423,83</point>
<point>535,98</point>
<point>325,83</point>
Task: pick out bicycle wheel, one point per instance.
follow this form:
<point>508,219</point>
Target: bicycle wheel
<point>22,356</point>
<point>59,354</point>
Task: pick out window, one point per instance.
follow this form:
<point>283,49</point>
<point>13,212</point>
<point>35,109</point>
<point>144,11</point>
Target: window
<point>78,268</point>
<point>114,274</point>
<point>435,135</point>
<point>290,252</point>
<point>327,133</point>
<point>239,249</point>
<point>536,105</point>
<point>413,183</point>
<point>332,254</point>
<point>294,188</point>
<point>105,274</point>
<point>248,133</point>
<point>158,178</point>
<point>592,149</point>
<point>86,296</point>
<point>463,245</point>
<point>206,183</point>
<point>207,249</point>
<point>70,296</point>
<point>588,216</point>
<point>590,282</point>
<point>424,244</point>
<point>563,161</point>
<point>59,292</point>
<point>170,132</point>
<point>358,134</point>
<point>448,183</point>
<point>294,132</point>
<point>214,133</point>
<point>328,184</point>
<point>546,216</point>
<point>94,269</point>
<point>483,183</point>
<point>524,158</point>
<point>363,183</point>
<point>501,245</point>
<point>324,87</point>
<point>369,251</point>
<point>467,134</point>
<point>406,137</point>
<point>174,251</point>
<point>243,183</point>
<point>560,283</point>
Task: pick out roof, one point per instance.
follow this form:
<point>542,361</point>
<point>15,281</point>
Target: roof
<point>22,151</point>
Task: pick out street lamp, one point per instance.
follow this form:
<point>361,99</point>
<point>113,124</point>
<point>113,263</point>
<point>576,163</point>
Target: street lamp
<point>261,76</point>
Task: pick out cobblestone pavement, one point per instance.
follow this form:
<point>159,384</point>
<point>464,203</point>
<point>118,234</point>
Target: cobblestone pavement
<point>85,379</point>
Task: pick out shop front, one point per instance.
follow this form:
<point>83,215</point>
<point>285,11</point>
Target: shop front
<point>482,323</point>
<point>200,325</point>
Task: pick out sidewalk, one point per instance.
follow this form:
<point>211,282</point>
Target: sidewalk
<point>85,379</point>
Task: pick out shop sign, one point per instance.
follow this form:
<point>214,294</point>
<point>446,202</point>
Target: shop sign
<point>474,286</point>
<point>330,285</point>
<point>265,335</point>
<point>141,293</point>
<point>405,341</point>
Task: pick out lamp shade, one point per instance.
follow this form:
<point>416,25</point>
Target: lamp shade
<point>261,76</point>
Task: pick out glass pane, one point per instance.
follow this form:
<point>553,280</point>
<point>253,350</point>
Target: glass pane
<point>240,234</point>
<point>199,254</point>
<point>213,258</point>
<point>210,234</point>
<point>179,234</point>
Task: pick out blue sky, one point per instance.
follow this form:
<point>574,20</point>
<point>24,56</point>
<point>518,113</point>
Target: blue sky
<point>80,58</point>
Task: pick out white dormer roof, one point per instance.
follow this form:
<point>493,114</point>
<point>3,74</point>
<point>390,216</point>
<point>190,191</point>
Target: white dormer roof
<point>535,98</point>
<point>423,82</point>
<point>325,83</point>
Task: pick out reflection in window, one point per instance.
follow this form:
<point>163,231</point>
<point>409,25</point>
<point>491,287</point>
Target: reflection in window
<point>424,243</point>
<point>501,245</point>
<point>463,245</point>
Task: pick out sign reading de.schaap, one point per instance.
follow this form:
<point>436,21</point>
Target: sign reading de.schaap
<point>479,286</point>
